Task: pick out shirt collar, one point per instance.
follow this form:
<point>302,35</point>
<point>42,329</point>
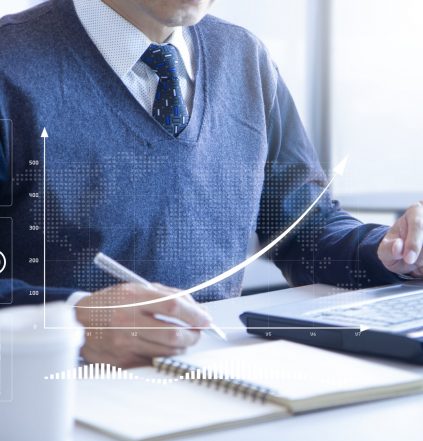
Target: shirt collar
<point>120,42</point>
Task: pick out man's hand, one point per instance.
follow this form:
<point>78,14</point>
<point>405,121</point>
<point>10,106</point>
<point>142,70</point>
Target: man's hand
<point>401,251</point>
<point>135,347</point>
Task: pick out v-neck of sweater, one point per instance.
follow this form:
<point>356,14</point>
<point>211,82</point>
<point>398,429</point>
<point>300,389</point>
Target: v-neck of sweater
<point>116,95</point>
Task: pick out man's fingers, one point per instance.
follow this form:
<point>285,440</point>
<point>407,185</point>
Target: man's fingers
<point>414,240</point>
<point>402,248</point>
<point>182,309</point>
<point>132,347</point>
<point>179,308</point>
<point>173,336</point>
<point>397,248</point>
<point>390,250</point>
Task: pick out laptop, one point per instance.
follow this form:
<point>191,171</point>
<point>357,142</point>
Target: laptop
<point>386,322</point>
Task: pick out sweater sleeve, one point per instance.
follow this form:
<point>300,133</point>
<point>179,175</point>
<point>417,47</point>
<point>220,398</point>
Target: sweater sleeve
<point>12,291</point>
<point>15,292</point>
<point>5,136</point>
<point>329,246</point>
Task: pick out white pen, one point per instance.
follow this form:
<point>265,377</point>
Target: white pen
<point>122,273</point>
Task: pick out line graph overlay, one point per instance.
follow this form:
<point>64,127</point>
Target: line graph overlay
<point>338,171</point>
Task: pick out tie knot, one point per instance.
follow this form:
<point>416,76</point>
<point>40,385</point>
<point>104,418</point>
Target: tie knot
<point>163,59</point>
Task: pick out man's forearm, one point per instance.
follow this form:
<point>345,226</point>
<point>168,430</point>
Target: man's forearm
<point>344,254</point>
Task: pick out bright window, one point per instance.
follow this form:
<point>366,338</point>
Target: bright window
<point>13,6</point>
<point>377,94</point>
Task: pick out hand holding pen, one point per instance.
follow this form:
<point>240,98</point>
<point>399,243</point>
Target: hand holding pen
<point>122,273</point>
<point>132,336</point>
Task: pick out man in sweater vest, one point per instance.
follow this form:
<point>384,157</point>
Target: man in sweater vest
<point>171,139</point>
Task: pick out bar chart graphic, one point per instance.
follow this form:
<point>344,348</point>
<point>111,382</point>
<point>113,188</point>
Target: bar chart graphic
<point>171,371</point>
<point>103,371</point>
<point>96,371</point>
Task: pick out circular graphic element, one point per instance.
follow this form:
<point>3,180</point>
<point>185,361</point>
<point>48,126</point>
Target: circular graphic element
<point>2,262</point>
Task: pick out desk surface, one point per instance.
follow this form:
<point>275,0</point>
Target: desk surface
<point>389,420</point>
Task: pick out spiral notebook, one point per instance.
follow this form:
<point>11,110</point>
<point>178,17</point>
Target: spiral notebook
<point>235,386</point>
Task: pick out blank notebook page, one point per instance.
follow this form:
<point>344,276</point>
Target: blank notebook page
<point>299,372</point>
<point>136,410</point>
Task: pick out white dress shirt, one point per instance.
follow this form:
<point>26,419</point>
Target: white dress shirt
<point>122,45</point>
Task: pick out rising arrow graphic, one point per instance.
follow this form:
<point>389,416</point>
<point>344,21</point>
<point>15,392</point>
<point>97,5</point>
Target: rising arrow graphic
<point>338,171</point>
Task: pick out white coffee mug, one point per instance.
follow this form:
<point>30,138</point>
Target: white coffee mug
<point>33,406</point>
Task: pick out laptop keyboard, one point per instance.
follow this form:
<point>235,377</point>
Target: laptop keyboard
<point>387,312</point>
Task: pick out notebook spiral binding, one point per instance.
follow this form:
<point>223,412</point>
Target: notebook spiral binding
<point>238,387</point>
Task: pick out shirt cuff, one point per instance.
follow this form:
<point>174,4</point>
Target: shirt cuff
<point>76,297</point>
<point>407,277</point>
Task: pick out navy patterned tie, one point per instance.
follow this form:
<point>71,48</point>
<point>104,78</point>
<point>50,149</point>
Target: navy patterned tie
<point>169,108</point>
